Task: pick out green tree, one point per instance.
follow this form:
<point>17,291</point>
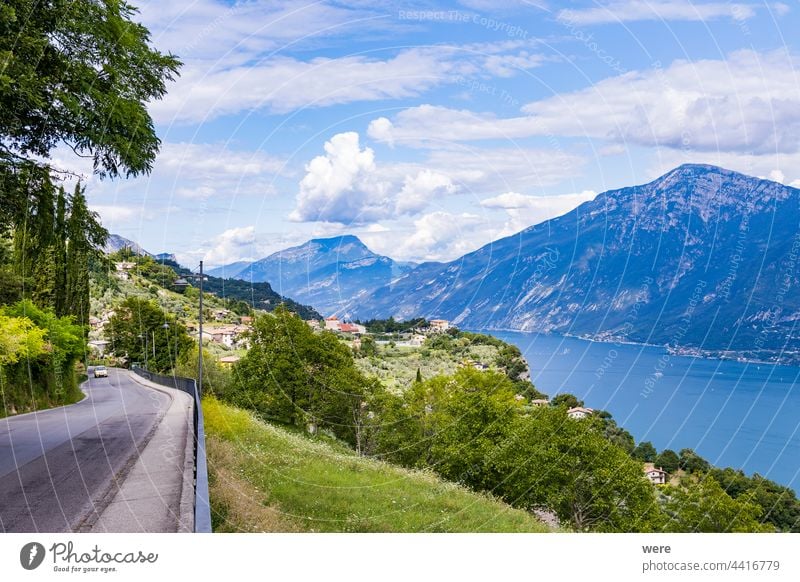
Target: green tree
<point>80,72</point>
<point>137,324</point>
<point>668,460</point>
<point>474,419</point>
<point>567,400</point>
<point>691,462</point>
<point>293,375</point>
<point>704,507</point>
<point>645,451</point>
<point>85,238</point>
<point>570,467</point>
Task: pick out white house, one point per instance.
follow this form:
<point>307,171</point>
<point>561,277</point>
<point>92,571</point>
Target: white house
<point>439,324</point>
<point>579,412</point>
<point>332,323</point>
<point>657,476</point>
<point>540,402</point>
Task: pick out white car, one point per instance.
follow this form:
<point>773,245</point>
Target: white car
<point>101,372</point>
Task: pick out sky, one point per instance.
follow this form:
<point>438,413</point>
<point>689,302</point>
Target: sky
<point>429,129</point>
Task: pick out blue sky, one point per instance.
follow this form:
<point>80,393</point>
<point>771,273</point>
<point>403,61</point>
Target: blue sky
<point>431,128</point>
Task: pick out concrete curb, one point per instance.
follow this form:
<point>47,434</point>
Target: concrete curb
<point>157,494</point>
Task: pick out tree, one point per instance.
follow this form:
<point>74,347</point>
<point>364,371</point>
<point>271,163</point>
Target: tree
<point>419,375</point>
<point>292,375</point>
<point>79,72</point>
<point>85,238</point>
<point>571,468</point>
<point>704,507</point>
<point>691,462</point>
<point>137,324</point>
<point>645,451</point>
<point>568,400</point>
<point>668,460</point>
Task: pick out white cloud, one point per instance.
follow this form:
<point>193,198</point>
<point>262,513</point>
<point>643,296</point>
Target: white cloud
<point>343,185</point>
<point>235,244</point>
<point>440,236</point>
<point>524,211</point>
<point>282,84</point>
<point>664,10</point>
<point>748,103</point>
<point>418,191</point>
<point>111,215</point>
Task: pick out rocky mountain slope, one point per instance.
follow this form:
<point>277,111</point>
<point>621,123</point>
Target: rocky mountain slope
<point>701,257</point>
<point>326,273</point>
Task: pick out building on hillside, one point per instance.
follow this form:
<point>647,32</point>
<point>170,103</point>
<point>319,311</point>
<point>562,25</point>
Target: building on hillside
<point>353,328</point>
<point>313,324</point>
<point>220,314</point>
<point>246,320</point>
<point>228,361</point>
<point>123,267</point>
<point>540,402</point>
<point>332,323</point>
<point>95,322</point>
<point>416,340</point>
<point>579,412</point>
<point>439,325</point>
<point>657,476</point>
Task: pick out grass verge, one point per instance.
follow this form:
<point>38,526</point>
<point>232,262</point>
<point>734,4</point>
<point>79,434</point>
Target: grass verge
<point>267,478</point>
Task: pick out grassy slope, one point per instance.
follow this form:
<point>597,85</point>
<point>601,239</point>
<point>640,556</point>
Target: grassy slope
<point>396,368</point>
<point>266,478</point>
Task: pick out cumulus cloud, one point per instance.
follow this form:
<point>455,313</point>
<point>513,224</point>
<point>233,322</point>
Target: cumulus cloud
<point>441,236</point>
<point>748,103</point>
<point>346,185</point>
<point>524,211</point>
<point>663,10</point>
<point>235,244</point>
<point>418,191</point>
<point>342,185</point>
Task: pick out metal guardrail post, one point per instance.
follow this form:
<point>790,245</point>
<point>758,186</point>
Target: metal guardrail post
<point>202,507</point>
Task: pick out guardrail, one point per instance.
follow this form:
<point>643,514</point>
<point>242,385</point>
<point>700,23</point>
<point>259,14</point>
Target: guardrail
<point>202,509</point>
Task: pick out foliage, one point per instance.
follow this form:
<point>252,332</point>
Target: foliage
<point>391,325</point>
<point>780,504</point>
<point>668,460</point>
<point>566,400</point>
<point>243,296</point>
<point>80,72</point>
<point>298,377</point>
<point>38,354</point>
<point>645,451</point>
<point>691,462</point>
<point>269,478</point>
<point>568,466</point>
<point>138,323</point>
<point>704,507</point>
<point>216,377</point>
<point>20,339</point>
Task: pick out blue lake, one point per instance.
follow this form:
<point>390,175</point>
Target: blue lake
<point>734,414</point>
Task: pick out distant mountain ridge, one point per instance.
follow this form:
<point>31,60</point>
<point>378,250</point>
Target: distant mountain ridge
<point>326,272</point>
<point>116,243</point>
<point>701,257</point>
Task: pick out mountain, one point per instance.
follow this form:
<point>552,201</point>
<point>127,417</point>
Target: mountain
<point>701,257</point>
<point>326,273</point>
<point>256,295</point>
<point>116,243</point>
<point>161,257</point>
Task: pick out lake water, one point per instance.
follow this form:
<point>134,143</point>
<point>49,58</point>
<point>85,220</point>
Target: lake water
<point>734,414</point>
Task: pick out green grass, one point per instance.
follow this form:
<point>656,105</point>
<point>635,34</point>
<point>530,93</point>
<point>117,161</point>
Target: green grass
<point>267,478</point>
<point>396,368</point>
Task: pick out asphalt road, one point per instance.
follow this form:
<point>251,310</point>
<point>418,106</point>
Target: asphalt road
<point>58,467</point>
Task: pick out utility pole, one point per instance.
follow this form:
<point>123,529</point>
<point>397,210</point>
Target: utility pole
<point>200,338</point>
